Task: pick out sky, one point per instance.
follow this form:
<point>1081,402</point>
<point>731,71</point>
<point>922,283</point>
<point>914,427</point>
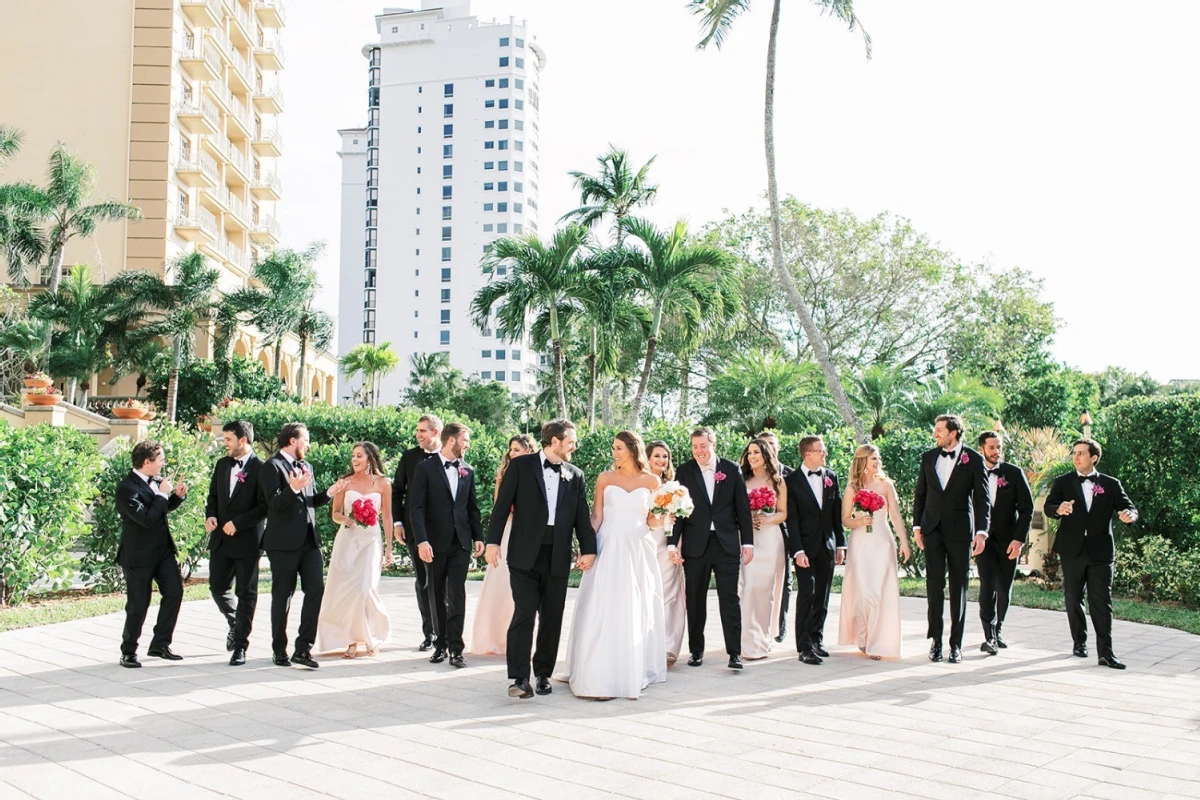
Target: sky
<point>1056,137</point>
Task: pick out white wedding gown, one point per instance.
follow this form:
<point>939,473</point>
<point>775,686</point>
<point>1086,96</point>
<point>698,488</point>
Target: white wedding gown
<point>618,636</point>
<point>352,611</point>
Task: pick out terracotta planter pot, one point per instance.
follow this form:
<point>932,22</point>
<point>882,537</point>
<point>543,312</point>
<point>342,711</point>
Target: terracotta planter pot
<point>38,383</point>
<point>43,399</point>
<point>128,413</point>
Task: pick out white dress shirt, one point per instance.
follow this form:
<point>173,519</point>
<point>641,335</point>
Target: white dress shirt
<point>817,482</point>
<point>451,475</point>
<point>945,466</point>
<point>993,483</point>
<point>239,464</point>
<point>291,462</point>
<point>1089,487</point>
<point>154,487</point>
<point>551,479</point>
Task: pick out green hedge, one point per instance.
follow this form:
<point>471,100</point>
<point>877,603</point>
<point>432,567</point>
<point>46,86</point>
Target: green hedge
<point>1151,568</point>
<point>47,479</point>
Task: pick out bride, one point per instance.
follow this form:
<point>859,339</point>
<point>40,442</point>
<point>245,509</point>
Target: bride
<point>618,636</point>
<point>352,613</point>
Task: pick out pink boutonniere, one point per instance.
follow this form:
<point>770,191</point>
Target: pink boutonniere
<point>718,477</point>
<point>462,472</point>
<point>241,476</point>
<point>828,482</point>
<point>1097,489</point>
<point>963,459</point>
<point>1001,483</point>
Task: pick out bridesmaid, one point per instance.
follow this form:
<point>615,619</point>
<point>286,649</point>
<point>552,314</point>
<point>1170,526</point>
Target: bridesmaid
<point>494,610</point>
<point>870,610</point>
<point>674,596</point>
<point>760,586</point>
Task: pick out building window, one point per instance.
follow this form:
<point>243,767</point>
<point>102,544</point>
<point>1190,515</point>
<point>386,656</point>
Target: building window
<point>519,166</point>
<point>487,206</point>
<point>486,374</point>
<point>446,212</point>
<point>500,355</point>
<point>447,192</point>
<point>416,292</point>
<point>447,150</point>
<point>504,61</point>
<point>519,104</point>
<point>518,145</point>
<point>445,255</point>
<point>516,376</point>
<point>487,227</point>
<point>489,103</point>
<point>519,83</point>
<point>489,145</point>
<point>419,109</point>
<point>504,41</point>
<point>491,123</point>
<point>448,110</point>
<point>446,233</point>
<point>487,187</point>
<point>516,355</point>
<point>520,62</point>
<point>448,90</point>
<point>503,144</point>
<point>504,102</point>
<point>443,337</point>
<point>420,89</point>
<point>487,354</point>
<point>414,334</point>
<point>520,43</point>
<point>416,314</point>
<point>447,170</point>
<point>503,186</point>
<point>501,270</point>
<point>418,129</point>
<point>518,187</point>
<point>445,316</point>
<point>503,166</point>
<point>490,83</point>
<point>502,227</point>
<point>517,208</point>
<point>503,124</point>
<point>418,170</point>
<point>504,83</point>
<point>445,295</point>
<point>489,164</point>
<point>519,124</point>
<point>447,131</point>
<point>518,227</point>
<point>502,208</point>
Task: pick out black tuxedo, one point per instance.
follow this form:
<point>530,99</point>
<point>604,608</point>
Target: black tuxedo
<point>293,546</point>
<point>412,457</point>
<point>539,556</point>
<point>1012,513</point>
<point>816,529</point>
<point>236,555</point>
<point>1085,544</point>
<point>146,554</point>
<point>949,517</point>
<point>711,541</point>
<point>784,471</point>
<point>449,523</point>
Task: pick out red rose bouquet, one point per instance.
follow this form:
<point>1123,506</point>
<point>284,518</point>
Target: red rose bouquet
<point>763,500</point>
<point>364,512</point>
<point>868,502</point>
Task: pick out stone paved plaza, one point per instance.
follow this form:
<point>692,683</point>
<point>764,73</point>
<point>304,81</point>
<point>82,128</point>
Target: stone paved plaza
<point>1032,723</point>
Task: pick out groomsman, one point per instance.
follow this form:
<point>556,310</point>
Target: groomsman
<point>817,544</point>
<point>447,528</point>
<point>951,501</point>
<point>146,552</point>
<point>429,431</point>
<point>1012,512</point>
<point>717,538</point>
<point>784,470</point>
<point>1084,502</point>
<point>234,516</point>
<point>293,543</point>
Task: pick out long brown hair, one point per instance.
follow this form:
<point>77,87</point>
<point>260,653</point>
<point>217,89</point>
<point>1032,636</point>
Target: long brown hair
<point>634,444</point>
<point>374,460</point>
<point>669,472</point>
<point>523,439</point>
<point>858,467</point>
<point>770,461</point>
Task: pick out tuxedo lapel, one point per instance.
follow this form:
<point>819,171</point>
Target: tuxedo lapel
<point>700,495</point>
<point>560,492</point>
<point>237,487</point>
<point>803,473</point>
<point>539,474</point>
<point>445,478</point>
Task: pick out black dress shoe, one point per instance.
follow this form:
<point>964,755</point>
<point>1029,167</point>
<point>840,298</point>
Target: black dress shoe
<point>163,652</point>
<point>989,648</point>
<point>425,645</point>
<point>543,685</point>
<point>130,661</point>
<point>935,652</point>
<point>821,651</point>
<point>229,640</point>
<point>809,657</point>
<point>238,658</point>
<point>456,660</point>
<point>1000,641</point>
<point>779,638</point>
<point>735,662</point>
<point>521,689</point>
<point>1080,651</point>
<point>439,655</point>
<point>281,660</point>
<point>1111,661</point>
<point>304,660</point>
<point>696,660</point>
<point>955,655</point>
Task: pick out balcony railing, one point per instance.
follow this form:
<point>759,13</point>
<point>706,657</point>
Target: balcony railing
<point>234,254</point>
<point>266,184</point>
<point>201,218</point>
<point>265,227</point>
<point>202,163</point>
<point>203,13</point>
<point>269,55</point>
<point>236,207</point>
<point>269,100</point>
<point>203,108</point>
<point>270,13</point>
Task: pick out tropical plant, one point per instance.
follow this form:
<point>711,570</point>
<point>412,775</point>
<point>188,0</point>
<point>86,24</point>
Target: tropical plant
<point>21,239</point>
<point>615,191</point>
<point>432,382</point>
<point>287,285</point>
<point>879,394</point>
<point>717,17</point>
<point>757,391</point>
<point>374,362</point>
<point>315,329</point>
<point>958,393</point>
<point>201,385</point>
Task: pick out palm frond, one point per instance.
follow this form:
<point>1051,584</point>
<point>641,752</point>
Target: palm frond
<point>716,19</point>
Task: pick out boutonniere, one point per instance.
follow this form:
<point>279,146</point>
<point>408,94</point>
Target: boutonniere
<point>241,476</point>
<point>828,482</point>
<point>963,459</point>
<point>1000,482</point>
<point>462,472</point>
<point>718,477</point>
<point>564,476</point>
<point>1097,488</point>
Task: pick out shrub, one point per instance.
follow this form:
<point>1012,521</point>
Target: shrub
<point>204,384</point>
<point>190,458</point>
<point>1150,568</point>
<point>47,475</point>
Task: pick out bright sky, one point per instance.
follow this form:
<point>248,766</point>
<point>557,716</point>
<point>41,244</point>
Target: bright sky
<point>1059,137</point>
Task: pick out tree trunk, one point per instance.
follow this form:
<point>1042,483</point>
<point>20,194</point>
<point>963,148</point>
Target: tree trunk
<point>304,398</point>
<point>278,354</point>
<point>72,387</point>
<point>636,411</point>
<point>606,403</point>
<point>57,257</point>
<point>560,392</point>
<point>173,384</point>
<point>684,391</point>
<point>591,399</point>
<point>820,350</point>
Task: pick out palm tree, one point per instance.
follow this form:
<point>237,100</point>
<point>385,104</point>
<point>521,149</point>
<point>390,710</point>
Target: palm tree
<point>21,239</point>
<point>612,320</point>
<point>614,192</point>
<point>373,362</point>
<point>138,355</point>
<point>10,142</point>
<point>26,339</point>
<point>757,391</point>
<point>540,278</point>
<point>880,394</point>
<point>717,17</point>
<point>427,368</point>
<point>677,278</point>
<point>316,329</point>
<point>957,393</point>
<point>289,283</point>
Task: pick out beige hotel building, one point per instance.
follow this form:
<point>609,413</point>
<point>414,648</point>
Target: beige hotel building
<point>176,103</point>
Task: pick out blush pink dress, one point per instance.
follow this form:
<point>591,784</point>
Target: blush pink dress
<point>870,610</point>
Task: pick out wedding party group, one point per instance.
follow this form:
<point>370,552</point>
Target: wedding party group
<point>648,547</point>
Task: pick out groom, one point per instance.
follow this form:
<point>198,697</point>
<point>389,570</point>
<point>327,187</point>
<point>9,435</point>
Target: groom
<point>549,504</point>
<point>719,530</point>
<point>951,501</point>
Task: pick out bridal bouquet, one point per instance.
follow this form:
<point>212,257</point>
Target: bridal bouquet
<point>364,512</point>
<point>763,500</point>
<point>869,502</point>
<point>670,500</point>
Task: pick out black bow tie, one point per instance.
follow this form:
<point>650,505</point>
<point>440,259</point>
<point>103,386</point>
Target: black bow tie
<point>556,467</point>
<point>947,454</point>
<point>994,471</point>
<point>1083,478</point>
<point>451,465</point>
<point>816,474</point>
<point>426,454</point>
<point>240,465</point>
<point>156,480</point>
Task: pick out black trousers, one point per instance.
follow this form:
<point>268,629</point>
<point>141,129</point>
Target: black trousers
<point>996,573</point>
<point>237,607</point>
<point>787,593</point>
<point>813,586</point>
<point>537,596</point>
<point>447,597</point>
<point>420,572</point>
<point>697,571</point>
<point>1081,573</point>
<point>286,565</point>
<point>941,557</point>
<point>139,582</point>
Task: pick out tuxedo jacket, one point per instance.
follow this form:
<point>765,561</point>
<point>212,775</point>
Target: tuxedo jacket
<point>245,508</point>
<point>1012,512</point>
<point>145,535</point>
<point>959,510</point>
<point>1083,531</point>
<point>814,528</point>
<point>728,512</point>
<point>438,517</point>
<point>524,490</point>
<point>291,517</point>
<point>412,458</point>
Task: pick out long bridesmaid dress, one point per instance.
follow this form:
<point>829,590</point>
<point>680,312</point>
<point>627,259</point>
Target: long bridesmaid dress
<point>870,611</point>
<point>493,612</point>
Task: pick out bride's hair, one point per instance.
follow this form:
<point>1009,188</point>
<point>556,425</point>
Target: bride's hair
<point>770,461</point>
<point>669,472</point>
<point>633,443</point>
<point>374,461</point>
<point>858,467</point>
<point>526,442</point>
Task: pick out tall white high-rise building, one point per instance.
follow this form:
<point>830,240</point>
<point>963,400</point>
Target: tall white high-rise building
<point>447,162</point>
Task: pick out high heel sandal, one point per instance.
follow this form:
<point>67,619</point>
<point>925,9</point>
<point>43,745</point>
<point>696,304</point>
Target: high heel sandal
<point>351,651</point>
